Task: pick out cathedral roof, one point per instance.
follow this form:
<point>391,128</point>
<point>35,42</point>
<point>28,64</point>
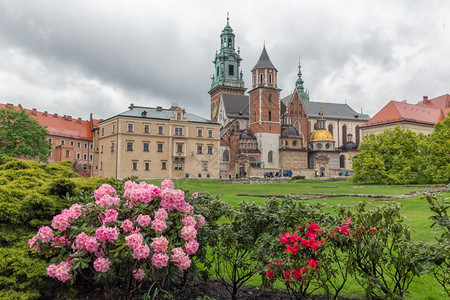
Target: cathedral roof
<point>289,131</point>
<point>332,111</point>
<point>264,61</point>
<point>236,106</point>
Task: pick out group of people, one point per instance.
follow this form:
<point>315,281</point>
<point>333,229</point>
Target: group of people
<point>285,173</point>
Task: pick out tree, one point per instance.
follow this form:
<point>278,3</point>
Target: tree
<point>22,136</point>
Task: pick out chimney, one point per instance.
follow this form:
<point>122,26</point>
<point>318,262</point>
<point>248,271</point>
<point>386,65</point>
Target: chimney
<point>159,108</point>
<point>20,106</point>
<point>79,120</point>
<point>69,118</point>
<point>425,99</point>
<point>34,111</point>
<point>55,115</point>
<point>131,106</point>
<point>9,105</point>
<point>45,113</point>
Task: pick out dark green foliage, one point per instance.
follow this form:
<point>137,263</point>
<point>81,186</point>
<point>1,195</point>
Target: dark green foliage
<point>22,136</point>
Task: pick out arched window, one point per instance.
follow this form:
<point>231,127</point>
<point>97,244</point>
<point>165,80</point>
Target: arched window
<point>217,72</point>
<point>297,126</point>
<point>270,98</point>
<point>229,43</point>
<point>330,128</point>
<point>342,161</point>
<point>270,78</point>
<point>344,134</point>
<point>260,78</point>
<point>226,155</point>
<point>270,115</point>
<point>270,157</point>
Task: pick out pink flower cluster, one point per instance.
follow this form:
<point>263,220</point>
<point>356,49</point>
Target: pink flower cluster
<point>143,220</point>
<point>167,184</point>
<point>180,258</point>
<point>188,233</point>
<point>101,264</point>
<point>108,200</point>
<point>142,192</point>
<point>83,242</point>
<point>174,200</point>
<point>105,189</point>
<point>110,216</point>
<point>60,271</point>
<point>109,234</point>
<point>138,274</point>
<point>45,234</point>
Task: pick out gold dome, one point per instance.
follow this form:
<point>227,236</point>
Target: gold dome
<point>321,135</point>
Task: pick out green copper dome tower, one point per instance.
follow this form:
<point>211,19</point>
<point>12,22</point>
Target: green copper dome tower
<point>227,62</point>
<point>299,84</point>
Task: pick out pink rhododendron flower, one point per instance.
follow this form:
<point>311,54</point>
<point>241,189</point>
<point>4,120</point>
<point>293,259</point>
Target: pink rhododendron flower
<point>105,189</point>
<point>142,251</point>
<point>174,200</point>
<point>127,226</point>
<point>160,260</point>
<point>184,263</point>
<point>75,211</point>
<point>108,200</point>
<point>177,255</point>
<point>167,184</point>
<point>134,240</point>
<point>110,216</point>
<point>189,221</point>
<point>195,195</point>
<point>104,234</point>
<point>91,244</point>
<point>45,234</point>
<point>138,274</point>
<point>61,240</point>
<point>158,225</point>
<point>161,214</point>
<point>60,222</point>
<point>200,221</point>
<point>79,241</point>
<point>101,264</point>
<point>188,233</point>
<point>61,271</point>
<point>33,243</point>
<point>160,244</point>
<point>191,247</point>
<point>143,220</point>
<point>373,229</point>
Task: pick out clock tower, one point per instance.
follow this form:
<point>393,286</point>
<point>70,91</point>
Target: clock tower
<point>227,78</point>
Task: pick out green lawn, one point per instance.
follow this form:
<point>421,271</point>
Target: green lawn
<point>414,210</point>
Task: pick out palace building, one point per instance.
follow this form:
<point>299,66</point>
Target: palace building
<point>263,132</point>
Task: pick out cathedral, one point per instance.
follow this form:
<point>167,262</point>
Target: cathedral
<point>264,133</point>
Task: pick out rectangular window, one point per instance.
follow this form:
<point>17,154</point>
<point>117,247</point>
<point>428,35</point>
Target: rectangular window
<point>147,166</point>
<point>210,133</point>
<point>178,166</point>
<point>163,165</point>
<point>67,153</point>
<point>130,127</point>
<point>113,128</point>
<point>101,165</point>
<point>199,132</point>
<point>71,143</point>
<point>129,146</point>
<point>231,70</point>
<point>179,147</point>
<point>112,146</point>
<point>91,146</point>
<point>90,157</point>
<point>85,145</point>
<point>134,165</point>
<point>160,147</point>
<point>146,128</point>
<point>160,129</point>
<point>210,148</point>
<point>50,141</point>
<point>146,147</point>
<point>103,131</point>
<point>62,142</point>
<point>101,149</point>
<point>205,166</point>
<point>199,149</point>
<point>78,155</point>
<point>178,131</point>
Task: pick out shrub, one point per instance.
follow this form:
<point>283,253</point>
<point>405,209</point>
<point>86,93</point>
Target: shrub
<point>121,241</point>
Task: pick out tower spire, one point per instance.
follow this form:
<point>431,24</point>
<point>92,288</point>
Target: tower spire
<point>228,18</point>
<point>299,83</point>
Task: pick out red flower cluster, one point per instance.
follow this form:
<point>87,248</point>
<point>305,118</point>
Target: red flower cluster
<point>291,240</point>
<point>300,274</point>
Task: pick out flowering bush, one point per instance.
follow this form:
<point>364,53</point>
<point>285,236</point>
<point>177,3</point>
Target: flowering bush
<point>120,240</point>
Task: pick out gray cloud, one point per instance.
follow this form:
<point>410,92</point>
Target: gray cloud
<point>77,57</point>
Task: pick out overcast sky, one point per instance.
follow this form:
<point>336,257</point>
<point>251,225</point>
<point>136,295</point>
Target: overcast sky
<point>77,57</point>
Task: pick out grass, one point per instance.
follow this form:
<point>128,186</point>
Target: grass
<point>414,209</point>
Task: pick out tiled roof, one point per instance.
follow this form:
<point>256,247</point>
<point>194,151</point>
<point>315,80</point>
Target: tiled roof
<point>162,114</point>
<point>236,106</point>
<point>332,111</point>
<point>396,111</point>
<point>264,61</point>
<point>438,102</point>
<point>57,125</point>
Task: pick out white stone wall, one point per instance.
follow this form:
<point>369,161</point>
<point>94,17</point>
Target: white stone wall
<point>269,142</point>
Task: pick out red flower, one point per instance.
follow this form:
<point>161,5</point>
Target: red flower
<point>296,273</point>
<point>312,263</point>
<point>293,249</point>
<point>373,229</point>
<point>269,274</point>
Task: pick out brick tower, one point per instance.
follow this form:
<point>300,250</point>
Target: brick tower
<point>227,78</point>
<point>264,109</point>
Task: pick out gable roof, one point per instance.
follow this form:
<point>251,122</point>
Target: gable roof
<point>438,102</point>
<point>396,111</point>
<point>64,126</point>
<point>332,111</point>
<point>264,61</point>
<point>236,106</point>
<point>159,113</point>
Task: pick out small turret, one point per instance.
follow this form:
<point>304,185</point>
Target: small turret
<point>299,84</point>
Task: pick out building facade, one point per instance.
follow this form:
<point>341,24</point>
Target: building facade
<point>71,138</point>
<point>263,132</point>
<point>156,143</point>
